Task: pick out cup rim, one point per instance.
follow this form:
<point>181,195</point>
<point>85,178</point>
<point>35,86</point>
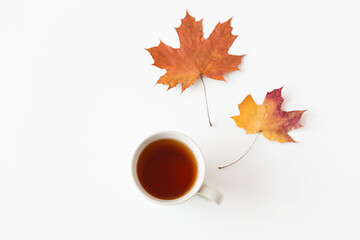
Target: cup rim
<point>190,143</point>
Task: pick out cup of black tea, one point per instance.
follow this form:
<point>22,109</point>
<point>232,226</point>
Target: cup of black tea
<point>169,168</point>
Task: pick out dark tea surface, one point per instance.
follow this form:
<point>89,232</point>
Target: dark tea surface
<point>167,169</point>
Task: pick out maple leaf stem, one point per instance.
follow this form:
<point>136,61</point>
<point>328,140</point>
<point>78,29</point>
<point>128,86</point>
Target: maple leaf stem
<point>207,105</point>
<point>257,135</point>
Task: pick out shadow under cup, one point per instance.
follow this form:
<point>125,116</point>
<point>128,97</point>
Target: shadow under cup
<point>168,167</point>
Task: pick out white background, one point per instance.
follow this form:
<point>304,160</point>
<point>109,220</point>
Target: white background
<point>77,94</point>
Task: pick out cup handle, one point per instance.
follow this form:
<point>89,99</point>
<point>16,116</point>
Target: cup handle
<point>210,194</point>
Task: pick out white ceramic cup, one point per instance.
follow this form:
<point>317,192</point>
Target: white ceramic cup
<point>198,187</point>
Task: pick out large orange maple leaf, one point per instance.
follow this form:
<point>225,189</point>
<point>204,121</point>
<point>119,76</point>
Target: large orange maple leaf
<point>196,56</point>
<point>268,118</point>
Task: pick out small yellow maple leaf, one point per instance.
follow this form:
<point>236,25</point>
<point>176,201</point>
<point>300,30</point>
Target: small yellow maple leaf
<point>268,118</point>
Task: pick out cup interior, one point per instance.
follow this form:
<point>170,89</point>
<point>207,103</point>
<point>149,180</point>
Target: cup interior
<point>191,145</point>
